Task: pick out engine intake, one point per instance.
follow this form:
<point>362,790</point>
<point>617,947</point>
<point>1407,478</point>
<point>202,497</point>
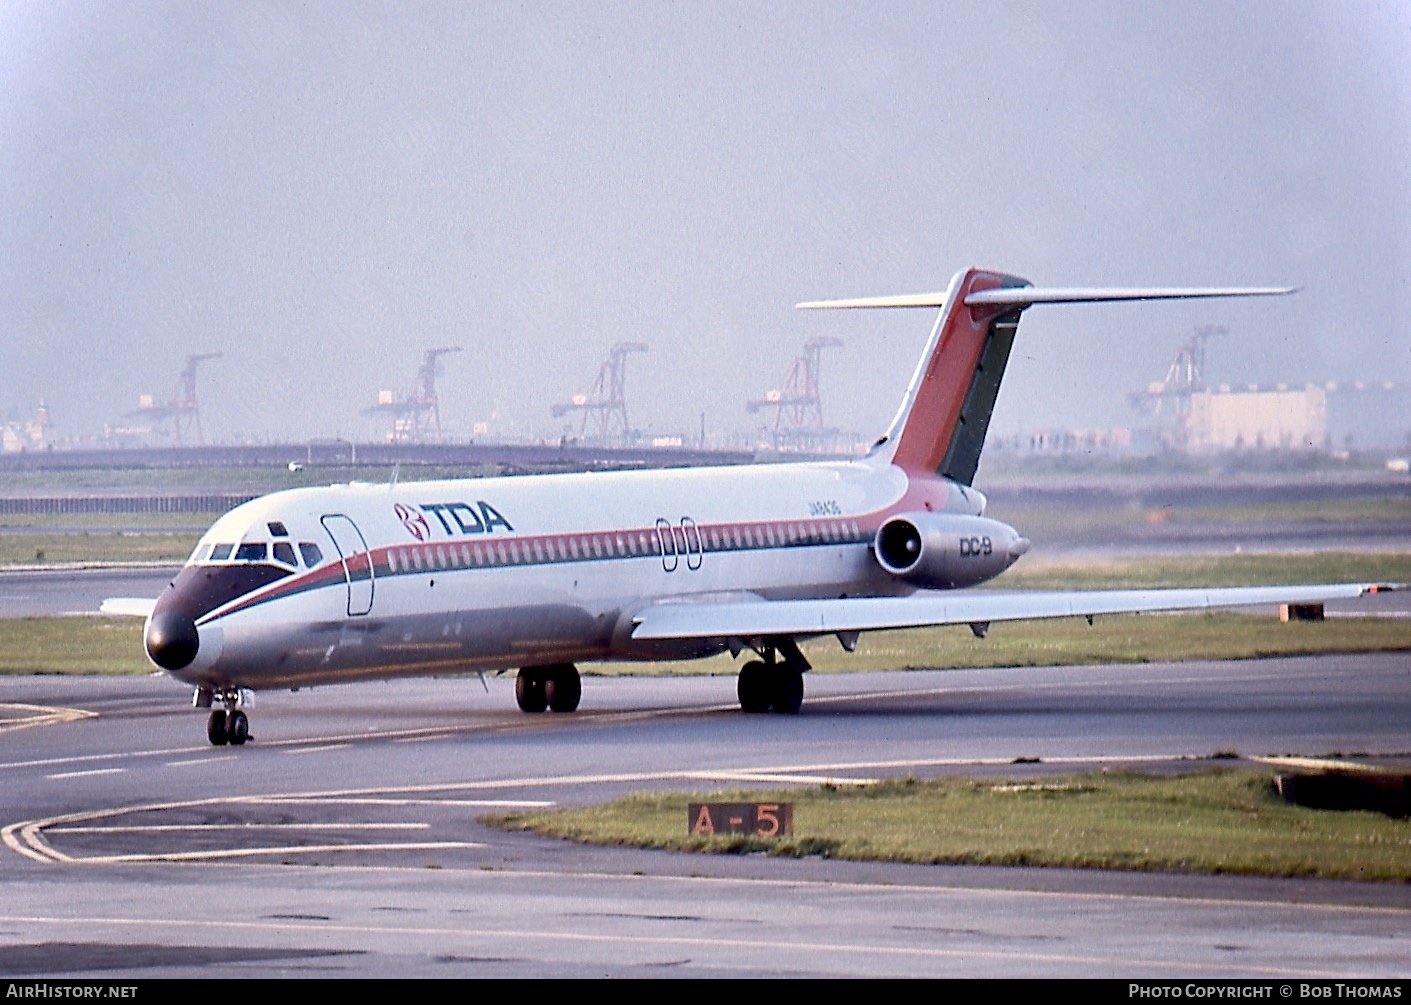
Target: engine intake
<point>943,551</point>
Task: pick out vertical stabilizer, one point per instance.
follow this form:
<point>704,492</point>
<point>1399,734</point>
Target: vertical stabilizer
<point>941,425</point>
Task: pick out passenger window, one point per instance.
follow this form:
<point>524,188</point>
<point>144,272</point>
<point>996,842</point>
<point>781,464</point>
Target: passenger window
<point>221,552</point>
<point>252,552</point>
<point>284,552</point>
<point>312,556</point>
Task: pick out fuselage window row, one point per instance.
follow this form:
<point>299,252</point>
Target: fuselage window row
<point>689,540</point>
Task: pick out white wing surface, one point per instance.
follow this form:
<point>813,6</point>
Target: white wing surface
<point>687,619</point>
<point>127,607</point>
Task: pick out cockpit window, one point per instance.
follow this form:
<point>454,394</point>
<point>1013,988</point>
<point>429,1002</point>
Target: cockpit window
<point>277,529</point>
<point>220,552</point>
<point>200,554</point>
<point>284,552</point>
<point>254,551</point>
<point>311,553</point>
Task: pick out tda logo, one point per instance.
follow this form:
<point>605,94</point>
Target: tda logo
<point>456,519</point>
<point>412,520</point>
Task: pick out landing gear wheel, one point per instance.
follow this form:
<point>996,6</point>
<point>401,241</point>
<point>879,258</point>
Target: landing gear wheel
<point>787,688</point>
<point>237,728</point>
<point>529,690</point>
<point>563,688</point>
<point>753,687</point>
<point>215,728</point>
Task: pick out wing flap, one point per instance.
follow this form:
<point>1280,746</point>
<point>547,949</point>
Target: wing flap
<point>765,618</point>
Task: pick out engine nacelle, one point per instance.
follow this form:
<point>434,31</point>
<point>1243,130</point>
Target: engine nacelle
<point>942,551</point>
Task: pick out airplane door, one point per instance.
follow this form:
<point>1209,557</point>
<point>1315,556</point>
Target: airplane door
<point>357,563</point>
<point>666,544</point>
<point>693,547</point>
<point>677,542</point>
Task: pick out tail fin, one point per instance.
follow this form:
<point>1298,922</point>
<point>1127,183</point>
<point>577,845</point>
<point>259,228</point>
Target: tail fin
<point>945,414</point>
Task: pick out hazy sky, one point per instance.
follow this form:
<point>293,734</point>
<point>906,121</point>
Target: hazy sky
<point>324,190</point>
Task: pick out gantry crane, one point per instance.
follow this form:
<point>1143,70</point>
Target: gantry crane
<point>420,408</point>
<point>798,410</point>
<point>182,411</point>
<point>606,405</point>
<point>1184,377</point>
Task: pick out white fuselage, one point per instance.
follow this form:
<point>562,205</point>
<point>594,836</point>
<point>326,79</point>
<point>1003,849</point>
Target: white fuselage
<point>496,573</point>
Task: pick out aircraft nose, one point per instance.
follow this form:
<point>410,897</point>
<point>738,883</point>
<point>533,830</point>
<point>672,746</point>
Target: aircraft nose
<point>172,640</point>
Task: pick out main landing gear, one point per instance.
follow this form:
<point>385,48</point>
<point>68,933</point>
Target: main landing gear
<point>769,685</point>
<point>226,725</point>
<point>557,687</point>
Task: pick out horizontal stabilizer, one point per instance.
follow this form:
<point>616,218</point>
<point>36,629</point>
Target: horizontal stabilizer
<point>941,425</point>
<point>127,607</point>
<point>1027,296</point>
<point>766,619</point>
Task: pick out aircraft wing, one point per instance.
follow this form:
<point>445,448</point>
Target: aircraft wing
<point>687,619</point>
<point>127,607</point>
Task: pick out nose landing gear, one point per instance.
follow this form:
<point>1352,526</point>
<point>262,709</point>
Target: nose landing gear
<point>225,725</point>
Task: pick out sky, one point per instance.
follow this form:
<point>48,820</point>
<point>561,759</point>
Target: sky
<point>322,191</point>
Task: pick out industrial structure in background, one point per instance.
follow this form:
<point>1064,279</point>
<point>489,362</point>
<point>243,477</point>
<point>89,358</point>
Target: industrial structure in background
<point>798,408</point>
<point>418,412</point>
<point>18,437</point>
<point>177,418</point>
<point>1169,401</point>
<point>1192,416</point>
<point>604,409</point>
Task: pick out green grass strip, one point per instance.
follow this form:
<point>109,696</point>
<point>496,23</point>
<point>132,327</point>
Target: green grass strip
<point>72,646</point>
<point>114,645</point>
<point>1210,821</point>
<point>1232,569</point>
<point>95,546</point>
<point>1116,638</point>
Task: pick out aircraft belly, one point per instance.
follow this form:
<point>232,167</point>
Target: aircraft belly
<point>269,654</point>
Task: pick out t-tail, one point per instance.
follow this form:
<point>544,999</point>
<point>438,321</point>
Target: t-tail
<point>941,425</point>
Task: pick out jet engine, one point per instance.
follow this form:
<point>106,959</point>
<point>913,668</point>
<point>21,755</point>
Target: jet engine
<point>943,551</point>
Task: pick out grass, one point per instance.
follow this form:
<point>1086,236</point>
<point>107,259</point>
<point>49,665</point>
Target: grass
<point>1118,638</point>
<point>72,646</point>
<point>1208,821</point>
<point>1229,569</point>
<point>92,547</point>
<point>114,645</point>
<point>1047,522</point>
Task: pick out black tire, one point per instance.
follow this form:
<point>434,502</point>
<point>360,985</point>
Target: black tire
<point>237,728</point>
<point>215,728</point>
<point>787,686</point>
<point>563,688</point>
<point>529,690</point>
<point>753,687</point>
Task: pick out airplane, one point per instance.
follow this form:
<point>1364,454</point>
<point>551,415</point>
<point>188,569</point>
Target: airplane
<point>538,573</point>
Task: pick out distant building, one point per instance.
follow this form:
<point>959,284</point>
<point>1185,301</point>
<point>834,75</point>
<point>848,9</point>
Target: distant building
<point>1255,419</point>
<point>17,437</point>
